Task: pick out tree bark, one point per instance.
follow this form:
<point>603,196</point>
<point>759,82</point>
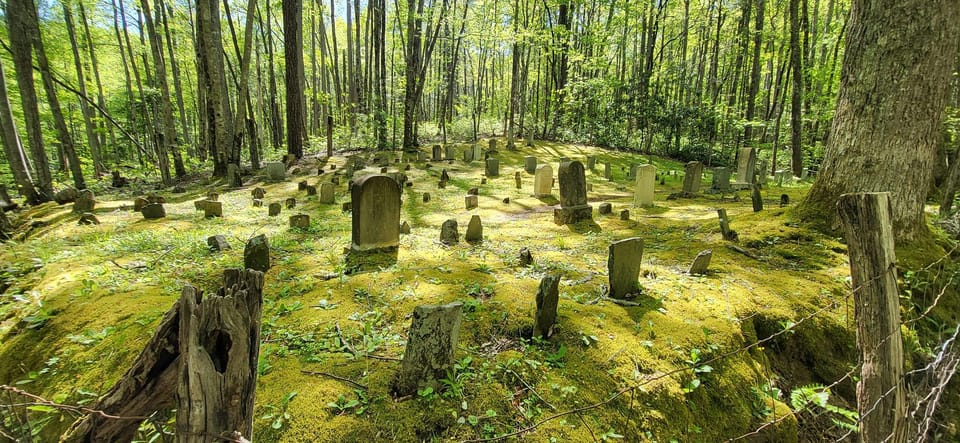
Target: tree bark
<point>93,139</point>
<point>796,99</point>
<point>12,147</point>
<point>168,134</point>
<point>214,83</point>
<point>293,52</point>
<point>896,74</point>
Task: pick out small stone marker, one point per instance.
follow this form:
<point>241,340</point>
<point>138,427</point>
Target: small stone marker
<point>444,176</point>
<point>623,265</point>
<point>346,207</point>
<point>218,243</point>
<point>67,195</point>
<point>471,201</point>
<point>530,164</point>
<point>376,214</point>
<point>605,208</point>
<point>606,171</point>
<point>326,193</point>
<point>273,209</point>
<point>483,181</point>
<point>721,180</point>
<point>257,203</point>
<point>311,190</point>
<point>784,200</point>
<point>526,258</point>
<point>477,151</point>
<point>473,191</point>
<point>573,195</point>
<point>139,203</point>
<point>290,203</point>
<point>88,219</point>
<point>518,179</point>
<point>383,170</point>
<point>646,177</point>
<point>256,254</point>
<point>448,233</point>
<point>548,297</point>
<point>727,233</point>
<point>543,181</point>
<point>691,177</point>
<point>258,193</point>
<point>431,345</point>
<point>441,184</point>
<point>426,197</point>
<point>492,145</point>
<point>506,200</point>
<point>701,263</point>
<point>118,180</point>
<point>84,202</point>
<point>746,165</point>
<point>212,209</point>
<point>625,214</point>
<point>153,211</point>
<point>301,221</point>
<point>276,171</point>
<point>404,228</point>
<point>302,185</point>
<point>493,166</point>
<point>474,230</point>
<point>437,153</point>
<point>756,198</point>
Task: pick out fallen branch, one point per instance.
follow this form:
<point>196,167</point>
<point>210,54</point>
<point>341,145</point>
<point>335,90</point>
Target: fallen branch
<point>335,377</point>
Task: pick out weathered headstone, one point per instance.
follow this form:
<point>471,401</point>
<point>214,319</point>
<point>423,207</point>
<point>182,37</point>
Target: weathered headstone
<point>591,162</point>
<point>290,203</point>
<point>276,171</point>
<point>426,197</point>
<point>477,151</point>
<point>153,211</point>
<point>701,263</point>
<point>273,209</point>
<point>471,201</point>
<point>256,254</point>
<point>492,146</point>
<point>624,214</point>
<point>473,191</point>
<point>213,196</point>
<point>326,193</point>
<point>530,164</point>
<point>376,214</point>
<point>257,203</point>
<point>444,176</point>
<point>506,200</point>
<point>139,203</point>
<point>85,201</point>
<point>311,190</point>
<point>606,171</point>
<point>437,153</point>
<point>302,185</point>
<point>517,178</point>
<point>493,167</point>
<point>756,198</point>
<point>727,233</point>
<point>301,221</point>
<point>784,200</point>
<point>404,228</point>
<point>746,166</point>
<point>623,265</point>
<point>526,258</point>
<point>721,180</point>
<point>633,171</point>
<point>543,181</point>
<point>548,297</point>
<point>468,155</point>
<point>691,177</point>
<point>258,192</point>
<point>474,230</point>
<point>451,153</point>
<point>762,176</point>
<point>779,176</point>
<point>646,178</point>
<point>218,243</point>
<point>213,209</point>
<point>118,180</point>
<point>605,208</point>
<point>431,345</point>
<point>66,195</point>
<point>573,195</point>
<point>449,235</point>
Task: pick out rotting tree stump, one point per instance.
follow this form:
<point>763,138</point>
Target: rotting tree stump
<point>220,344</point>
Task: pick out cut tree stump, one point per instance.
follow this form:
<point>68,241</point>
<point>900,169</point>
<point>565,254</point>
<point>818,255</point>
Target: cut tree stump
<point>220,344</point>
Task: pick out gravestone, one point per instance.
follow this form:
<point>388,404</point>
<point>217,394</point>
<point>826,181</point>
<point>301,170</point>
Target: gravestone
<point>258,192</point>
<point>746,167</point>
<point>311,190</point>
<point>573,195</point>
<point>327,193</point>
<point>302,185</point>
<point>691,177</point>
<point>548,297</point>
<point>85,201</point>
<point>404,228</point>
<point>477,151</point>
<point>118,180</point>
<point>346,207</point>
<point>421,156</point>
<point>383,170</point>
<point>87,218</point>
<point>493,167</point>
<point>784,200</point>
<point>633,171</point>
<point>444,176</point>
<point>473,191</point>
<point>471,201</point>
<point>721,180</point>
<point>335,180</point>
<point>624,214</point>
<point>67,195</point>
<point>727,233</point>
<point>591,162</point>
<point>779,176</point>
<point>276,171</point>
<point>274,209</point>
<point>376,214</point>
<point>606,171</point>
<point>526,258</point>
<point>646,178</point>
<point>218,243</point>
<point>543,181</point>
<point>506,200</point>
<point>139,203</point>
<point>451,153</point>
<point>701,263</point>
<point>301,221</point>
<point>589,187</point>
<point>213,196</point>
<point>153,211</point>
<point>290,203</point>
<point>437,153</point>
<point>762,176</point>
<point>474,230</point>
<point>448,233</point>
<point>426,197</point>
<point>256,254</point>
<point>257,203</point>
<point>518,179</point>
<point>492,146</point>
<point>442,184</point>
<point>756,198</point>
<point>431,345</point>
<point>605,208</point>
<point>212,209</point>
<point>468,155</point>
<point>530,164</point>
<point>623,265</point>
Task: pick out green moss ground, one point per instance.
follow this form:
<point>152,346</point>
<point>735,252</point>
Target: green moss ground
<point>74,319</point>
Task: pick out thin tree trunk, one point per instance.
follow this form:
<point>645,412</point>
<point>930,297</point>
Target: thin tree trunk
<point>168,136</point>
<point>88,123</point>
<point>796,100</point>
<point>12,147</point>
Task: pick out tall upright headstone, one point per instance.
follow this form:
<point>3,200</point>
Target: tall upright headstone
<point>543,181</point>
<point>437,153</point>
<point>468,155</point>
<point>746,165</point>
<point>327,193</point>
<point>493,167</point>
<point>762,175</point>
<point>477,152</point>
<point>606,171</point>
<point>691,178</point>
<point>376,213</point>
<point>548,297</point>
<point>646,178</point>
<point>530,164</point>
<point>721,180</point>
<point>573,195</point>
<point>623,266</point>
<point>451,153</point>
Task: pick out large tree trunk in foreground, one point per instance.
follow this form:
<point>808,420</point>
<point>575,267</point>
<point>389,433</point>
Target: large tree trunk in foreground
<point>896,74</point>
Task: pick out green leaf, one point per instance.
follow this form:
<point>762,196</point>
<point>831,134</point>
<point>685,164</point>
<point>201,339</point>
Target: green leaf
<point>42,408</point>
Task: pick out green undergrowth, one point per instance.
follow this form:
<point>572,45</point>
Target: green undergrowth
<point>694,358</point>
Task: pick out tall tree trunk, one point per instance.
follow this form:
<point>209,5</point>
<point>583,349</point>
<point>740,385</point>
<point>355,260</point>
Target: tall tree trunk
<point>214,84</point>
<point>896,75</point>
<point>796,100</point>
<point>754,72</point>
<point>12,147</point>
<point>168,136</point>
<point>276,122</point>
<point>167,12</point>
<point>243,96</point>
<point>293,52</point>
<point>126,75</point>
<point>514,97</point>
<point>95,65</point>
<point>88,119</point>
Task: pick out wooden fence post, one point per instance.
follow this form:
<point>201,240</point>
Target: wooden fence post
<point>866,219</point>
<point>219,347</point>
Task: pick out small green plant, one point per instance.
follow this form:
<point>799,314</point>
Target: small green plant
<point>816,396</point>
<point>426,394</point>
<point>343,405</point>
<point>484,268</point>
<point>278,415</point>
<point>477,290</point>
<point>285,309</point>
<point>457,377</point>
<point>764,395</point>
<point>556,358</point>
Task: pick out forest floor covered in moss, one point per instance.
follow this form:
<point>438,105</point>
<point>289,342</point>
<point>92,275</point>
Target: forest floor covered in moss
<point>695,358</point>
